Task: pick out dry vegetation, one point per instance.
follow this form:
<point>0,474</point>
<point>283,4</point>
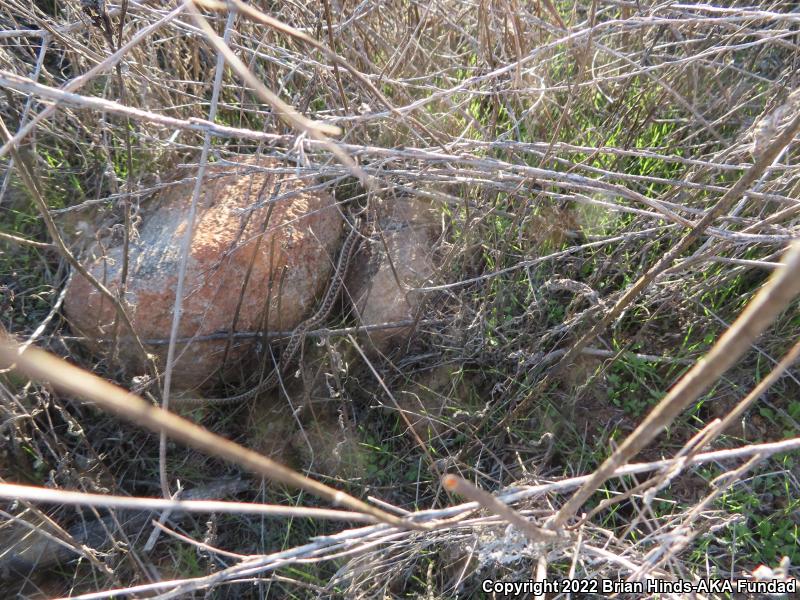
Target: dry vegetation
<point>617,183</point>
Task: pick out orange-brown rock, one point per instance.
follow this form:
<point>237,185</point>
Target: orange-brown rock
<point>384,291</point>
<point>247,269</point>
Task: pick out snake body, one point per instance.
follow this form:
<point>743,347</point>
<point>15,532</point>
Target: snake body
<point>298,334</point>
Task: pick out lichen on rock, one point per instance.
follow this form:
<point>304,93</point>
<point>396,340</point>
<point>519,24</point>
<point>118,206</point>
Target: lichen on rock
<point>260,256</point>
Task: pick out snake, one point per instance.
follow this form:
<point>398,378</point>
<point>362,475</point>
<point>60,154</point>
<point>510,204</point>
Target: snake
<point>346,253</point>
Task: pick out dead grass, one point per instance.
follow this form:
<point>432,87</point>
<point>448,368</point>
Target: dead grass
<point>569,148</point>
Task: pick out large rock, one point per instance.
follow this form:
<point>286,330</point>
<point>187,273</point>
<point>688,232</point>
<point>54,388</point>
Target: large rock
<point>237,256</point>
<point>382,286</point>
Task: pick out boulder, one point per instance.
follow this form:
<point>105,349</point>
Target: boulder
<point>384,290</point>
<point>260,257</point>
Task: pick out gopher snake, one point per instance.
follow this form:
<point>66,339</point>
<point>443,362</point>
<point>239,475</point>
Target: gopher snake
<point>298,335</point>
